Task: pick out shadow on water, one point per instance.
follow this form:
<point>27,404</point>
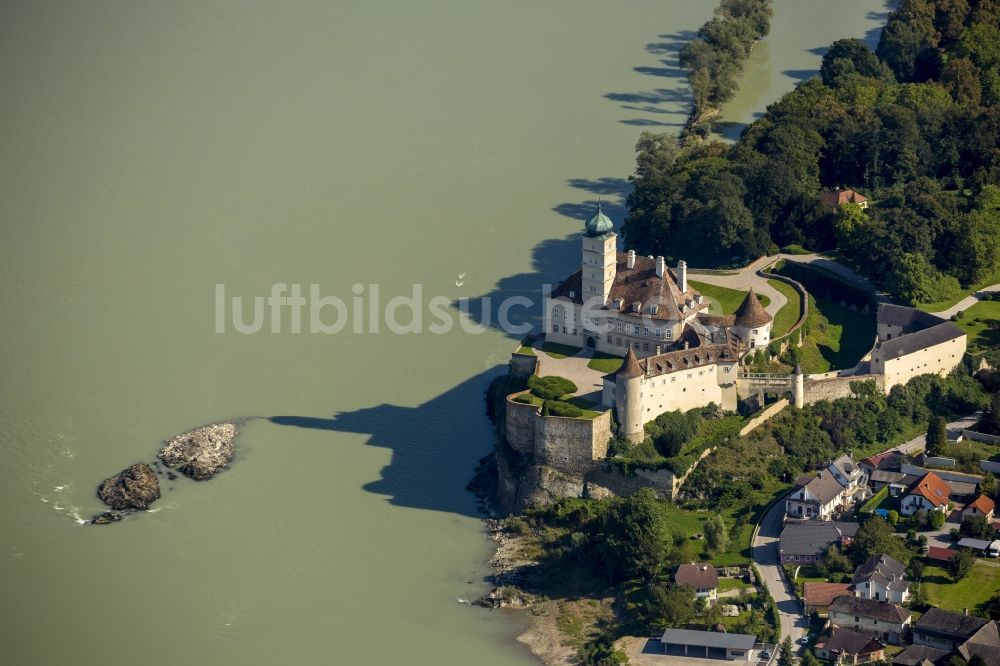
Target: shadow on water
<point>677,100</point>
<point>800,75</point>
<point>434,445</point>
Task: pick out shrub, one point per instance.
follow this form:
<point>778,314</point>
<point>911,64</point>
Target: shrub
<point>559,408</point>
<point>551,387</point>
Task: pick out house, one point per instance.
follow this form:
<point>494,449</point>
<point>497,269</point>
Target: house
<point>708,645</point>
<point>846,646</point>
<point>921,655</point>
<point>929,493</point>
<point>837,197</point>
<point>940,555</point>
<point>881,578</point>
<point>982,506</point>
<point>806,542</point>
<point>980,546</point>
<point>985,643</point>
<point>699,576</point>
<point>896,481</point>
<point>819,596</point>
<point>945,630</point>
<point>833,489</point>
<point>887,461</point>
<point>886,621</point>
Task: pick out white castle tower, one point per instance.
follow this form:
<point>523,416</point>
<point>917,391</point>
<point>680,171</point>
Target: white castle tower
<point>600,254</point>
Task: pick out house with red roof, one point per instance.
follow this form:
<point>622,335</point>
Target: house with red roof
<point>929,493</point>
<point>838,197</point>
<point>982,506</point>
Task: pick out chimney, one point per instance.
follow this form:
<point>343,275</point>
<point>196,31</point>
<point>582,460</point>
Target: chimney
<point>572,294</point>
<point>631,259</point>
<point>682,275</point>
<point>686,344</point>
<point>660,267</point>
<point>965,612</point>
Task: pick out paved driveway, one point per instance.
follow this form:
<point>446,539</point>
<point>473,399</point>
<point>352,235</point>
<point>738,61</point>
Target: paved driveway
<point>744,279</point>
<point>589,383</point>
<point>765,556</point>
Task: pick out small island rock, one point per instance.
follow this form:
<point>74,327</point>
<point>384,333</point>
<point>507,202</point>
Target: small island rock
<point>201,453</point>
<point>106,518</point>
<point>134,487</point>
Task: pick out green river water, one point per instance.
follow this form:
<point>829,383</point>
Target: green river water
<point>152,150</point>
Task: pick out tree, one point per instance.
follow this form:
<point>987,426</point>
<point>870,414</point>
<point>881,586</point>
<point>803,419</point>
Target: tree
<point>716,536</point>
<point>909,278</point>
<point>786,656</point>
<point>937,436</point>
<point>988,486</point>
<point>976,527</point>
<point>935,520</point>
<point>851,56</point>
<point>990,423</point>
<point>671,606</point>
<point>893,517</point>
<point>633,537</point>
<point>961,564</point>
<point>876,537</point>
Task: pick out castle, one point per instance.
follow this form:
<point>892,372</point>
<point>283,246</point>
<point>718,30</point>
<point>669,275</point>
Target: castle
<point>678,357</point>
<point>626,305</point>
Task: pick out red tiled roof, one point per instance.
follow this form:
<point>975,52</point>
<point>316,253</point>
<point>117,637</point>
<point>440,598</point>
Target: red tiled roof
<point>932,488</point>
<point>837,197</point>
<point>984,504</point>
<point>940,553</point>
<point>823,594</point>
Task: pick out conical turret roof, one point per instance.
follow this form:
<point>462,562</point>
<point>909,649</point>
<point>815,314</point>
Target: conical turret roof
<point>630,368</point>
<point>751,313</point>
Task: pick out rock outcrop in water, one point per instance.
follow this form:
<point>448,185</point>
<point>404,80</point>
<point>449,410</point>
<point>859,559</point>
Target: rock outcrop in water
<point>201,453</point>
<point>106,518</point>
<point>134,487</point>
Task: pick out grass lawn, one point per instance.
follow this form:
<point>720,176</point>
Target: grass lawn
<point>937,306</point>
<point>527,351</point>
<point>978,587</point>
<point>605,362</point>
<point>587,406</point>
<point>556,350</point>
<point>789,314</point>
<point>724,300</point>
<point>838,337</point>
<point>974,323</point>
<point>726,584</point>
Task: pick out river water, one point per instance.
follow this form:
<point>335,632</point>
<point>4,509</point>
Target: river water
<point>152,151</point>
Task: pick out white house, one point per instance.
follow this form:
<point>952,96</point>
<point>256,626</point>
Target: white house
<point>929,493</point>
<point>839,486</point>
<point>881,578</point>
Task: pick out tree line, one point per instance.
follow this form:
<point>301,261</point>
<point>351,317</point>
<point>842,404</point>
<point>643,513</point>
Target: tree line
<point>913,125</point>
<point>714,60</point>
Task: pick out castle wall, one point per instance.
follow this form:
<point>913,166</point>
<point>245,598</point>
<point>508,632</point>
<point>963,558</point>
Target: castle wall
<point>937,359</point>
<point>520,425</point>
<point>836,387</point>
<point>522,366</point>
<point>571,444</point>
<point>764,416</point>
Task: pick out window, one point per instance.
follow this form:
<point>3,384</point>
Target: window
<point>609,339</point>
<point>645,346</point>
<point>657,332</point>
<point>645,331</point>
<point>620,326</point>
<point>618,341</point>
<point>555,328</point>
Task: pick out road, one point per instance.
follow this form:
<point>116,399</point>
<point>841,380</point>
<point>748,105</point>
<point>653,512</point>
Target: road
<point>745,278</point>
<point>765,557</point>
<point>966,302</point>
<point>955,428</point>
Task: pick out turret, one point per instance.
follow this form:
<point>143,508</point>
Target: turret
<point>798,387</point>
<point>628,397</point>
<point>600,257</point>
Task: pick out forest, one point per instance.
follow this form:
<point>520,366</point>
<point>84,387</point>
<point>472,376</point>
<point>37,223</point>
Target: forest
<point>913,126</point>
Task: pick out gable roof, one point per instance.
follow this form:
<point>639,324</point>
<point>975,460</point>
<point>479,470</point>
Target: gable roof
<point>848,641</point>
<point>751,313</point>
<point>639,284</point>
<point>699,575</point>
<point>983,503</point>
<point>984,643</point>
<point>940,553</point>
<point>917,655</point>
<point>911,342</point>
<point>825,487</point>
<point>685,359</point>
<point>845,465</point>
<point>838,196</point>
<point>884,571</point>
<point>932,488</point>
<point>870,608</point>
<point>812,537</point>
<point>887,460</point>
<point>821,594</point>
<point>946,623</point>
<point>909,319</point>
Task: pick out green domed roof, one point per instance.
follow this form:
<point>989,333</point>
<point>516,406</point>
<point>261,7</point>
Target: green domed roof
<point>600,224</point>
